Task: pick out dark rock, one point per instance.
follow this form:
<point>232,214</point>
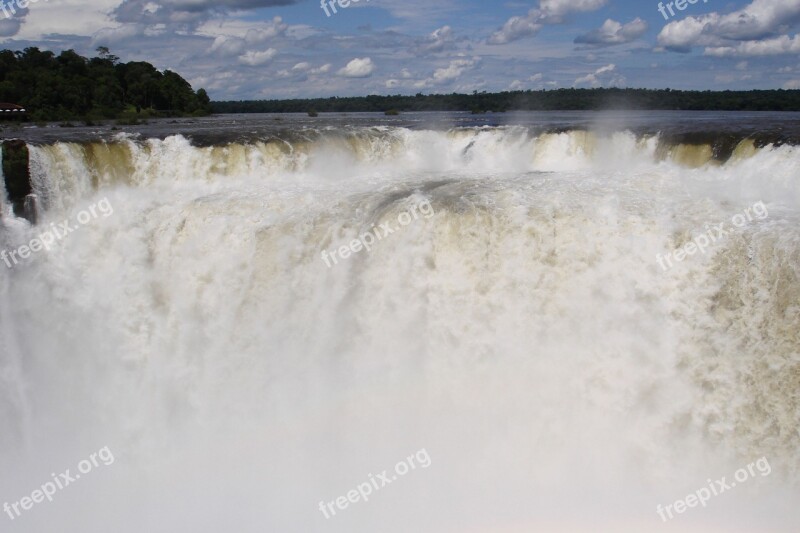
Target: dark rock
<point>16,173</point>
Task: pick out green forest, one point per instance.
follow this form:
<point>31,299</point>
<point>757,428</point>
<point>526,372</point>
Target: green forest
<point>69,86</point>
<point>550,100</point>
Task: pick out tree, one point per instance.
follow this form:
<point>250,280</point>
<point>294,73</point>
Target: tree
<point>70,86</point>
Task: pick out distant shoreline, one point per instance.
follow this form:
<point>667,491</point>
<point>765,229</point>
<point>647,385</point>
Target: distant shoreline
<point>545,100</point>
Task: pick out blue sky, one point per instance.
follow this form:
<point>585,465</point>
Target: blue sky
<point>254,49</point>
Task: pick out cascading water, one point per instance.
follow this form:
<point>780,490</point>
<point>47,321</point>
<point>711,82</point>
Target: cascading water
<point>524,334</point>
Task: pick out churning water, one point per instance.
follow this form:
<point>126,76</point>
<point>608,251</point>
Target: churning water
<point>525,334</point>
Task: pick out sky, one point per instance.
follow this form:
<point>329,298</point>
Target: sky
<point>265,49</point>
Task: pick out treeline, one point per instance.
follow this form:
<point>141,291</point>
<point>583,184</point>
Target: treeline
<point>69,86</point>
<point>558,99</point>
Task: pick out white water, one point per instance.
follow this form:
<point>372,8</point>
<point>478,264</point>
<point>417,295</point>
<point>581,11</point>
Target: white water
<point>525,336</point>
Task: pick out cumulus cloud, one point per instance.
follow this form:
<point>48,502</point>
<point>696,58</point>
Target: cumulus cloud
<point>121,33</point>
<point>604,76</point>
<point>187,12</point>
<point>302,71</point>
<point>233,40</point>
<point>306,67</point>
<point>449,74</point>
<point>252,32</point>
<point>517,85</point>
<point>792,84</point>
<point>767,47</point>
<point>752,30</point>
<point>436,42</point>
<point>453,71</point>
<point>266,31</point>
<point>556,10</point>
<point>247,44</point>
<point>358,68</point>
<point>757,20</point>
<point>225,46</point>
<point>548,12</point>
<point>256,59</point>
<point>612,32</point>
<point>517,28</point>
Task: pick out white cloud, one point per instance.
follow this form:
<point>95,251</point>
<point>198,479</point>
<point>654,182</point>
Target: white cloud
<point>612,32</point>
<point>604,76</point>
<point>65,17</point>
<point>106,36</point>
<point>757,20</point>
<point>256,59</point>
<point>548,12</point>
<point>555,10</point>
<point>251,31</point>
<point>416,10</point>
<point>792,84</point>
<point>266,31</point>
<point>227,46</point>
<point>324,69</point>
<point>183,12</point>
<point>607,68</point>
<point>358,68</point>
<point>436,42</point>
<point>750,31</point>
<point>232,37</point>
<point>446,75</point>
<point>517,28</point>
<point>768,47</point>
<point>517,85</point>
<point>681,35</point>
<point>453,71</point>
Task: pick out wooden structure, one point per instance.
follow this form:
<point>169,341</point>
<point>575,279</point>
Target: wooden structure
<point>11,110</point>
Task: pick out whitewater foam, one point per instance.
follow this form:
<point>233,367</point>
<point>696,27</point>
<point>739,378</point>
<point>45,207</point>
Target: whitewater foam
<point>524,335</point>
